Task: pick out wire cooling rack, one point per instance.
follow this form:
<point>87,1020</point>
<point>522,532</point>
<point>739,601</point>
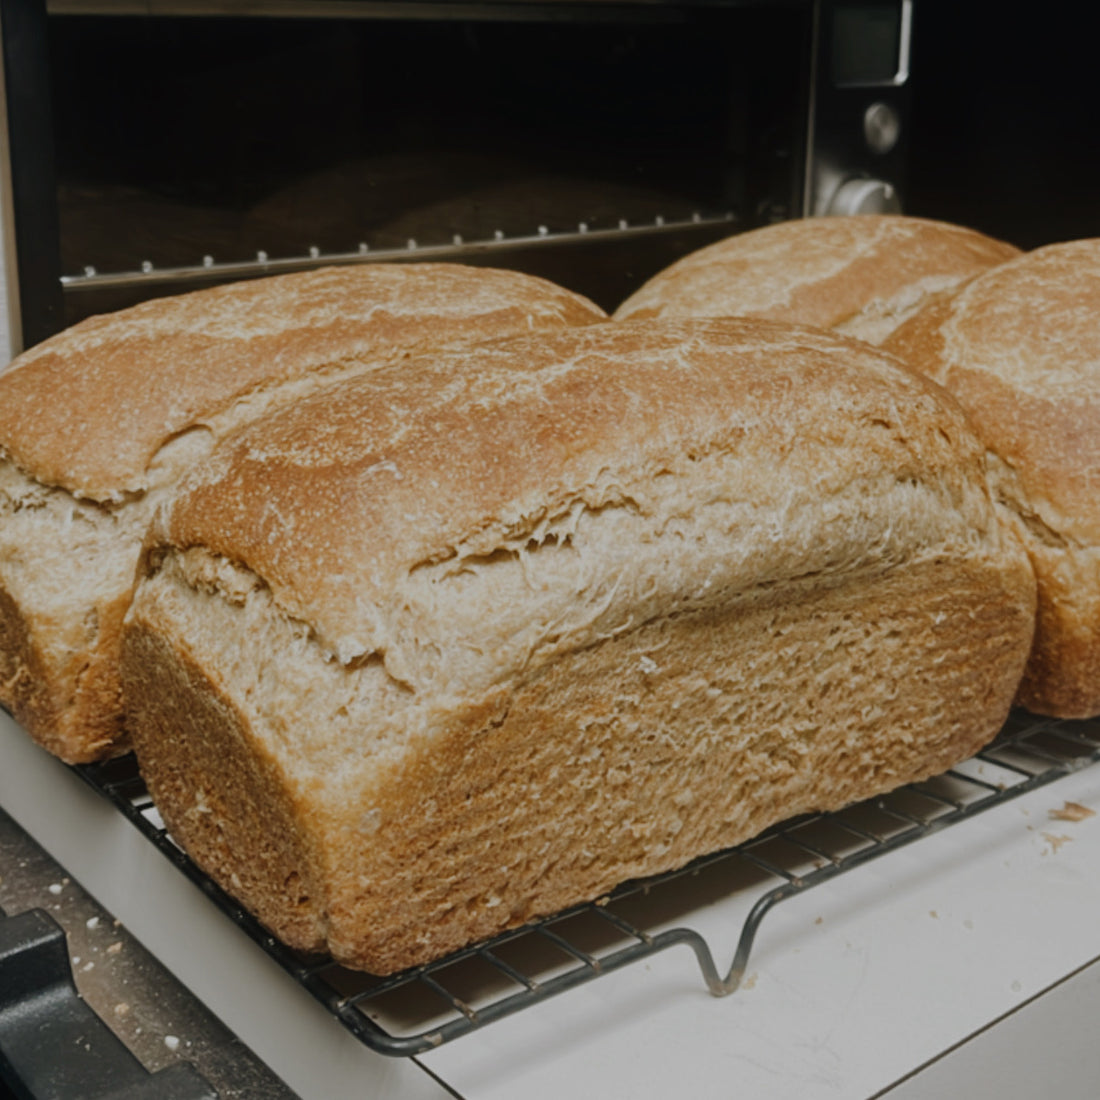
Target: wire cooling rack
<point>422,1008</point>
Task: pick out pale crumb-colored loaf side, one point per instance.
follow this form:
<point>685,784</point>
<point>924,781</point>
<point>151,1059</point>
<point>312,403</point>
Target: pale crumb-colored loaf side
<point>1020,348</point>
<point>66,576</point>
<point>66,572</point>
<point>862,275</point>
<point>555,613</point>
<point>98,424</point>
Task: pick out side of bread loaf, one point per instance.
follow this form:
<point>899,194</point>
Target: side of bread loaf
<point>413,661</point>
<point>1020,348</point>
<point>861,275</point>
<point>98,423</point>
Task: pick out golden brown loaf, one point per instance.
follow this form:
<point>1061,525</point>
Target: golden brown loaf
<point>430,653</point>
<point>1020,348</point>
<point>98,423</point>
<point>861,275</point>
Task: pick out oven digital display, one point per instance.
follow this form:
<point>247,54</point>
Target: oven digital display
<point>866,45</point>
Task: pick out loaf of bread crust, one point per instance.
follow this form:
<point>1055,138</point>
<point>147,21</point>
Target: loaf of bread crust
<point>861,275</point>
<point>1020,348</point>
<point>98,423</point>
<point>434,652</point>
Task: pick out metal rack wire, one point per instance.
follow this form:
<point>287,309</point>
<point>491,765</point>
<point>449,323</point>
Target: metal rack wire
<point>420,1009</point>
<point>211,270</point>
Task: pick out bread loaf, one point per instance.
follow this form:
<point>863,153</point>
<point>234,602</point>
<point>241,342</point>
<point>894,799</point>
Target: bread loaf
<point>1020,348</point>
<point>475,638</point>
<point>861,275</point>
<point>97,424</point>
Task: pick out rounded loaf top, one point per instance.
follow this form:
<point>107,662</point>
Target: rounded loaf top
<point>862,274</point>
<point>89,408</point>
<point>785,449</point>
<point>1020,348</point>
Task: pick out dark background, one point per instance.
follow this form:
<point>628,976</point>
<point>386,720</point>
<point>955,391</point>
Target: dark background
<point>1006,119</point>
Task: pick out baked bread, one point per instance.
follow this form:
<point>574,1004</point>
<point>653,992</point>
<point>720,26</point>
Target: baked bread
<point>1020,348</point>
<point>860,275</point>
<point>475,638</point>
<point>97,424</point>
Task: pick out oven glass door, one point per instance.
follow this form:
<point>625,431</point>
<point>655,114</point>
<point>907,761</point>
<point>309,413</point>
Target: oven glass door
<point>193,148</point>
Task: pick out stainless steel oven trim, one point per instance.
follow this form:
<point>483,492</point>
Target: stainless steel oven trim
<point>840,147</point>
<point>36,234</point>
<point>10,327</point>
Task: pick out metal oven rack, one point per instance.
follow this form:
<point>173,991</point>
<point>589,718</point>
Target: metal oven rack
<point>210,270</point>
<point>422,1008</point>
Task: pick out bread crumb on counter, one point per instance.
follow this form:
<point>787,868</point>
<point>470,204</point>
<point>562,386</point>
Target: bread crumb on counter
<point>1055,842</point>
<point>1072,811</point>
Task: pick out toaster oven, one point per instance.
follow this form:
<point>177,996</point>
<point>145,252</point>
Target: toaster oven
<point>938,942</point>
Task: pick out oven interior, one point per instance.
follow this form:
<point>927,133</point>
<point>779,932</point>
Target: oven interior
<point>590,145</point>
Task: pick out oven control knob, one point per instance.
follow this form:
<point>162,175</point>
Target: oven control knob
<point>863,196</point>
<point>881,128</point>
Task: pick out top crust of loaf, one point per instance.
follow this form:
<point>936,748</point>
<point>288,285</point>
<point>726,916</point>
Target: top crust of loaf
<point>88,409</point>
<point>863,274</point>
<point>1020,347</point>
<point>345,502</point>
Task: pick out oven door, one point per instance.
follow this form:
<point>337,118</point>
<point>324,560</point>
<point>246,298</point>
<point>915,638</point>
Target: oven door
<point>188,148</point>
<point>160,146</point>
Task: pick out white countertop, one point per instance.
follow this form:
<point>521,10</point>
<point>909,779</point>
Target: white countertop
<point>851,987</point>
<point>964,956</point>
